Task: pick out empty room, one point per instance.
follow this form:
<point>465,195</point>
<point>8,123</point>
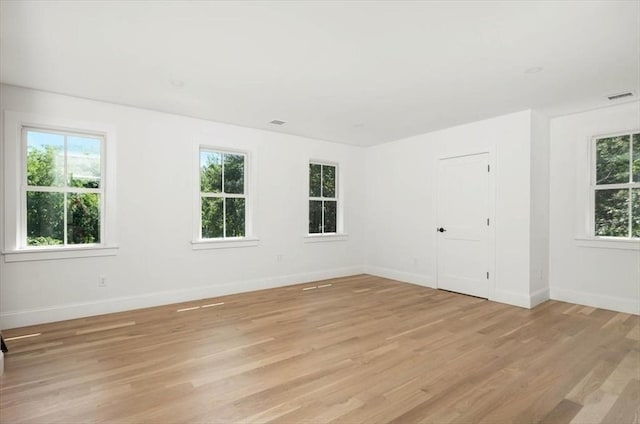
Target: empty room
<point>320,212</point>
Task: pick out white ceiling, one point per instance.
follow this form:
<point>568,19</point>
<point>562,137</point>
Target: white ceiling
<point>355,72</point>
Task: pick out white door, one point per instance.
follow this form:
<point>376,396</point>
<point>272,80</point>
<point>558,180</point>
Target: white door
<point>463,224</point>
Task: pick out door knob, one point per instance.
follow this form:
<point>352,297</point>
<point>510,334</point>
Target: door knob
<point>442,230</point>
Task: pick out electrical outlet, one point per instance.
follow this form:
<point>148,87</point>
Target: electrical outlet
<point>279,257</point>
<point>102,281</point>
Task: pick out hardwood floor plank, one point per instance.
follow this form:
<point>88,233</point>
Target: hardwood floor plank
<point>563,412</point>
<point>629,368</point>
<point>360,349</point>
<point>627,406</point>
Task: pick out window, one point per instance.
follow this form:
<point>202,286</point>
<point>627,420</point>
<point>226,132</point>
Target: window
<point>63,190</point>
<point>323,198</point>
<point>59,188</point>
<point>223,194</point>
<point>616,185</point>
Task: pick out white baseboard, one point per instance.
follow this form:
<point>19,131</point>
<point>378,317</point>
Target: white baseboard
<point>502,296</point>
<point>522,300</point>
<point>538,297</point>
<point>511,298</point>
<point>405,277</point>
<point>21,318</point>
<point>618,304</point>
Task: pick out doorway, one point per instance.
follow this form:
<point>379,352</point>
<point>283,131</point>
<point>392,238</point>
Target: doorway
<point>463,224</point>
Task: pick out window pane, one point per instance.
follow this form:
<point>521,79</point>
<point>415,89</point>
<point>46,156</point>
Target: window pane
<point>314,180</point>
<point>45,218</point>
<point>45,159</point>
<point>315,216</point>
<point>636,158</point>
<point>330,214</point>
<point>612,160</point>
<point>328,181</point>
<point>210,172</point>
<point>235,217</point>
<point>83,162</point>
<point>233,173</point>
<point>612,213</point>
<point>83,218</point>
<point>635,213</point>
<point>212,216</point>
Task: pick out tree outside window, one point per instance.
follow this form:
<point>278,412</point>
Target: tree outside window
<point>323,198</point>
<point>617,186</point>
<point>64,188</point>
<point>222,194</point>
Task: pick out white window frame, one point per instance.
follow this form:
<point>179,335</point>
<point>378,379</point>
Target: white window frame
<point>594,187</point>
<point>249,239</point>
<point>14,188</point>
<point>339,234</point>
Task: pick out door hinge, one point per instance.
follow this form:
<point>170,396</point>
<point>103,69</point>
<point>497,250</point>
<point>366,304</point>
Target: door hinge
<point>487,222</point>
<point>488,168</point>
<point>487,275</point>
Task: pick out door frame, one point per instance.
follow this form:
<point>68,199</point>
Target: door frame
<point>491,257</point>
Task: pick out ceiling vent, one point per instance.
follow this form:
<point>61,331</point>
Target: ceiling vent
<point>620,95</point>
<point>277,122</point>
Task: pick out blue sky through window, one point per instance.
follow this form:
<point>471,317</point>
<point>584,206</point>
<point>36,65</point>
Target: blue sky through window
<point>83,156</point>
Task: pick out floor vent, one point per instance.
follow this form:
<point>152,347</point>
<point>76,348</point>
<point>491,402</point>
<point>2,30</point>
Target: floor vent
<point>317,287</point>
<point>193,308</point>
<point>8,339</point>
<point>213,304</point>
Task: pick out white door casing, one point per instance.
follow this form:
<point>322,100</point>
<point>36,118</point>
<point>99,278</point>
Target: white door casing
<point>464,239</point>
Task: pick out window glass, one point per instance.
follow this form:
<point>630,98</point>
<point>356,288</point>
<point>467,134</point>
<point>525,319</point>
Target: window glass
<point>45,218</point>
<point>235,212</point>
<point>330,215</point>
<point>612,213</point>
<point>211,172</point>
<point>212,217</point>
<point>328,181</point>
<point>323,203</point>
<point>45,159</point>
<point>315,183</point>
<point>222,194</point>
<point>64,188</point>
<point>617,181</point>
<point>315,216</point>
<point>83,162</point>
<point>612,160</point>
<point>83,218</point>
<point>636,158</point>
<point>635,212</point>
<point>233,173</point>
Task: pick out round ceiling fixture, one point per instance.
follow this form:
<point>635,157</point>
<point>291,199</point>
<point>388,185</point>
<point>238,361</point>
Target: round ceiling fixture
<point>176,83</point>
<point>534,70</point>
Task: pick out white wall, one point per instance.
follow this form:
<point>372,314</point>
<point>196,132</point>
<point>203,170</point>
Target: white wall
<point>389,196</point>
<point>155,263</point>
<point>400,202</point>
<point>583,271</point>
<point>539,228</point>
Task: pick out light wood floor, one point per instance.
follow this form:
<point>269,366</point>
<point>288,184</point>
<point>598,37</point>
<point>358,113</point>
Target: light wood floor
<point>364,349</point>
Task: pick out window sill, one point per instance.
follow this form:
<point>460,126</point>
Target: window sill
<point>608,243</point>
<point>46,254</point>
<point>224,243</point>
<point>320,238</point>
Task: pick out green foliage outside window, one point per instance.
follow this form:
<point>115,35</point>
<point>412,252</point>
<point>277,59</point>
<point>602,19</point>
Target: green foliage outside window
<point>323,205</point>
<point>48,198</point>
<point>223,205</point>
<point>617,190</point>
